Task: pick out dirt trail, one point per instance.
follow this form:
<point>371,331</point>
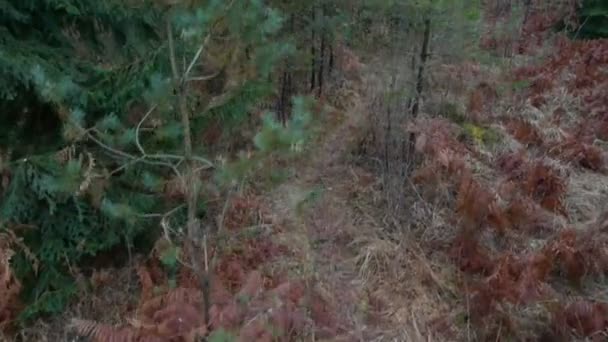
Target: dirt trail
<point>325,225</point>
<point>321,232</point>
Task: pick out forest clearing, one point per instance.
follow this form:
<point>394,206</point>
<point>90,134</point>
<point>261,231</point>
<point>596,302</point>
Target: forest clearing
<point>329,170</point>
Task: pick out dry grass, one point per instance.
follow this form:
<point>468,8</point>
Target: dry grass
<point>404,260</point>
<point>587,196</point>
<point>114,294</point>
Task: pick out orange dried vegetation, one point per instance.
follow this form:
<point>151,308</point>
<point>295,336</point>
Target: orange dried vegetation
<point>520,280</point>
<point>245,211</point>
<point>524,132</point>
<point>585,318</point>
<point>481,99</point>
<point>544,185</point>
<point>473,201</point>
<point>469,255</point>
<point>584,63</point>
<point>536,180</point>
<point>9,285</point>
<point>580,254</point>
<point>243,300</point>
<point>252,314</point>
<point>247,256</point>
<point>576,151</point>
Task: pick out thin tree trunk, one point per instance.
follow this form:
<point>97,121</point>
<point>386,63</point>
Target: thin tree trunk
<point>286,91</point>
<point>313,53</point>
<point>331,59</point>
<point>408,109</point>
<point>388,139</point>
<point>410,101</point>
<point>290,92</point>
<point>527,5</point>
<point>191,182</point>
<point>321,64</point>
<point>282,95</point>
<point>419,86</point>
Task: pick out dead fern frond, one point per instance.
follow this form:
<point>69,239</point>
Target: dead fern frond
<point>581,254</point>
<point>178,319</point>
<point>10,287</point>
<point>524,132</point>
<point>584,318</point>
<point>66,154</point>
<point>574,151</point>
<point>470,256</point>
<point>546,186</point>
<point>473,202</point>
<point>150,307</point>
<point>104,333</point>
<point>146,282</point>
<point>87,176</point>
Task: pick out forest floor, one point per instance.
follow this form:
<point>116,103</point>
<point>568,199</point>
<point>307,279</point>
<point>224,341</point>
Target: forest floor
<point>315,234</point>
<point>504,235</point>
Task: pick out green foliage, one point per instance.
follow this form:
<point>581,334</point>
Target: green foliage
<point>83,75</point>
<point>482,136</point>
<point>593,16</point>
<point>592,21</point>
<point>273,140</point>
<point>451,112</point>
<point>59,41</point>
<point>64,227</point>
<point>393,24</point>
<point>221,335</point>
<point>170,260</point>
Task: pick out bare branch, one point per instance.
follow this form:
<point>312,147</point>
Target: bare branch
<point>103,145</point>
<point>203,78</point>
<point>197,55</point>
<point>219,100</point>
<point>200,49</point>
<point>172,50</point>
<point>141,149</point>
<point>163,215</point>
<point>201,160</point>
<point>132,159</point>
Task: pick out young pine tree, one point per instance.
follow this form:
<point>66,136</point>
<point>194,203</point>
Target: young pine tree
<point>102,103</point>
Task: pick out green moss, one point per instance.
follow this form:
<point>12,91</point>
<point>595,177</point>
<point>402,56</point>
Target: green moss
<point>483,136</point>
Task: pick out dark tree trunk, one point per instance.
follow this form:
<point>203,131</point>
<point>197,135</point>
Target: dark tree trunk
<point>419,84</point>
<point>286,89</point>
<point>313,52</point>
<point>322,48</point>
<point>282,103</point>
<point>408,109</point>
<point>331,59</point>
<point>388,133</point>
<point>321,64</point>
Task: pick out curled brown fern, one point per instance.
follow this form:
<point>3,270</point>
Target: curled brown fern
<point>105,333</point>
<point>9,285</point>
<point>582,317</point>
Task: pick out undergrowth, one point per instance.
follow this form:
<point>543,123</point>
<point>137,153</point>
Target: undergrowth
<point>250,302</point>
<point>527,265</point>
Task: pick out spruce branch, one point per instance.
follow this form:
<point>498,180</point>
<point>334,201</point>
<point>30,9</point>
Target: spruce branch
<point>208,164</point>
<point>132,159</point>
